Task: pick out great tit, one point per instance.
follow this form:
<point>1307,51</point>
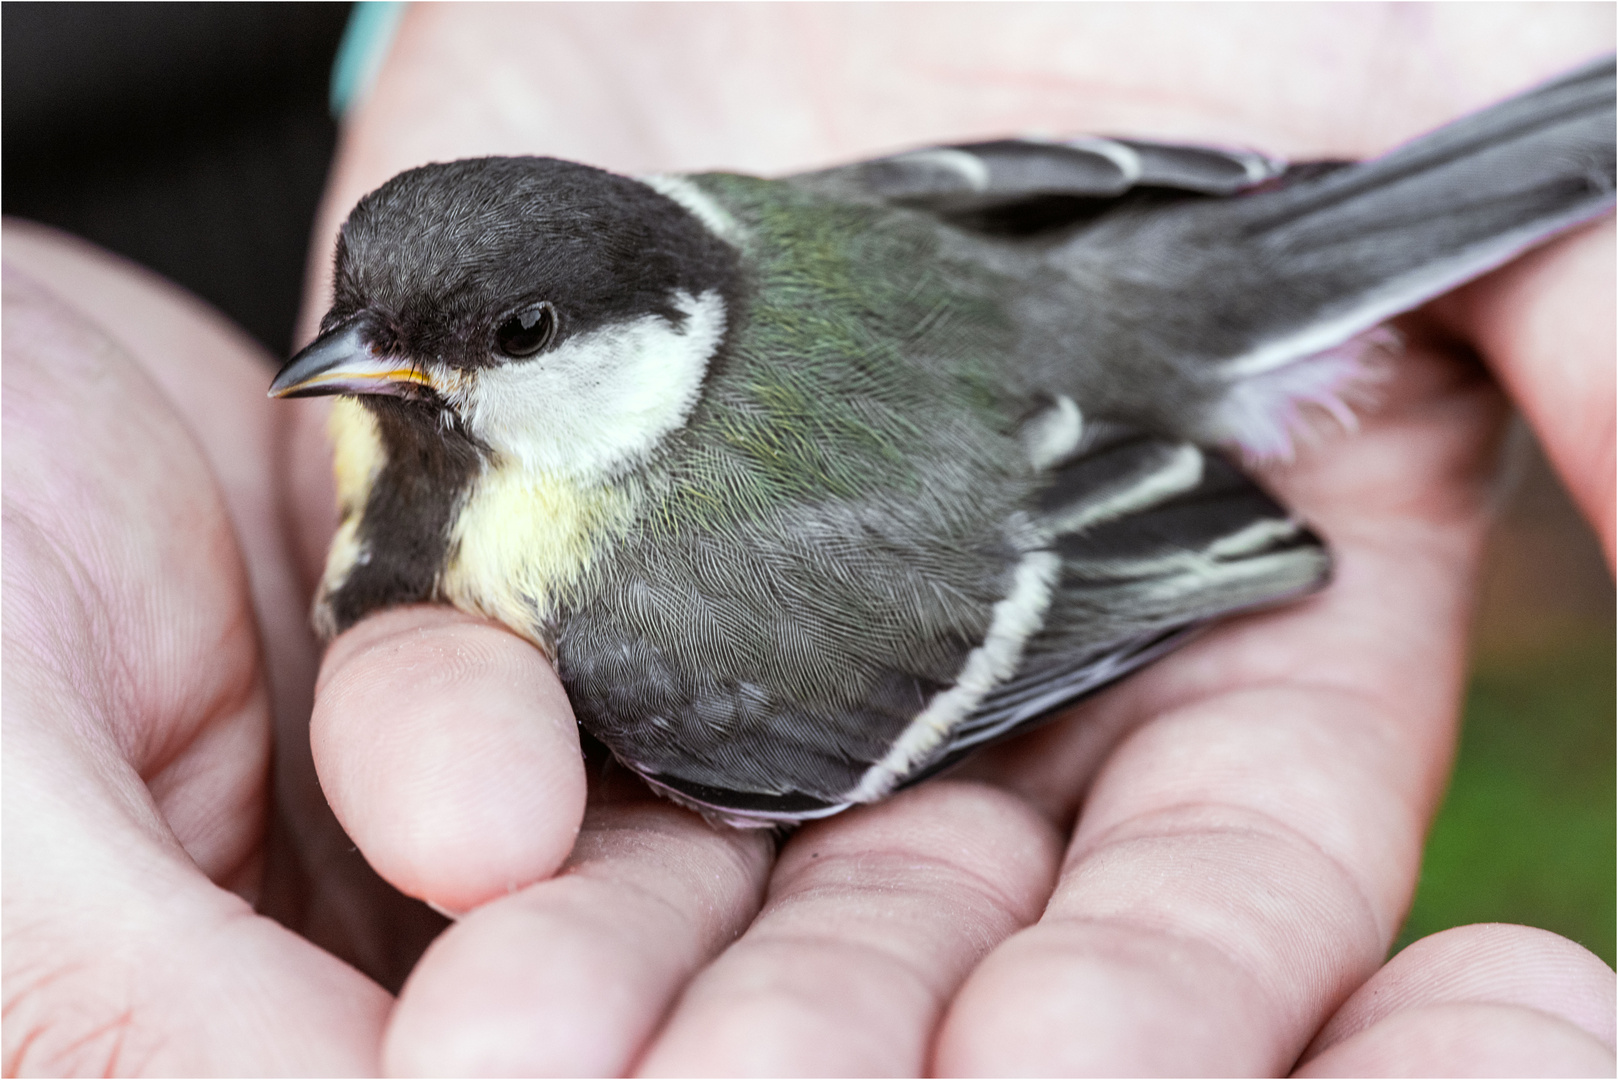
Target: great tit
<point>809,486</point>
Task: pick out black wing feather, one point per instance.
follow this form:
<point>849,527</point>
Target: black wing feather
<point>1025,185</point>
<point>1203,550</point>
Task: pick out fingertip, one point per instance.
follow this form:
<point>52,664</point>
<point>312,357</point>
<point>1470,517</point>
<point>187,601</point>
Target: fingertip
<point>1466,1039</point>
<point>1485,963</point>
<point>449,752</point>
<point>572,976</point>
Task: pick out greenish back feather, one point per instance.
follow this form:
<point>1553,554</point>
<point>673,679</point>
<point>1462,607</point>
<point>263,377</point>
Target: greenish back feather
<point>859,355</point>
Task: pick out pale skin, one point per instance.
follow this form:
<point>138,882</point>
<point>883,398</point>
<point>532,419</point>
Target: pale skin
<point>1198,872</point>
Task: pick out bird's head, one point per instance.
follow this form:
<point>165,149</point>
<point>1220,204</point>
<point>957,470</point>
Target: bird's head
<point>558,315</point>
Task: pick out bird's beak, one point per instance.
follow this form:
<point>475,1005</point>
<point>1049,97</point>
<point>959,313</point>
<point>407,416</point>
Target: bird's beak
<point>341,361</point>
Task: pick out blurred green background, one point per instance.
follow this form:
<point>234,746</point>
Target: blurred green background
<point>1526,833</point>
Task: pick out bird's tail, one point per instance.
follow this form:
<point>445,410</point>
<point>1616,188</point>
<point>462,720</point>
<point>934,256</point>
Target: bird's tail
<point>1313,263</point>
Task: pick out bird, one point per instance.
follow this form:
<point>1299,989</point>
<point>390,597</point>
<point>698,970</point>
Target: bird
<point>810,486</point>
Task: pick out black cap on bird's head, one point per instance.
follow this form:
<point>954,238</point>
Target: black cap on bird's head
<point>472,264</point>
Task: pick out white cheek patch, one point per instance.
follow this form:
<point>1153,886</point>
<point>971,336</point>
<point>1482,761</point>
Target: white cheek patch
<point>602,400</point>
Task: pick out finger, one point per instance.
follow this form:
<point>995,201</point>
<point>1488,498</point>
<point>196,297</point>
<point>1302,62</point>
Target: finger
<point>1466,1040</point>
<point>1246,853</point>
<point>104,576</point>
<point>120,956</point>
<point>449,752</point>
<point>872,921</point>
<point>1499,966</point>
<point>1545,325</point>
<point>136,734</point>
<point>213,379</point>
<point>1205,935</point>
<point>570,977</point>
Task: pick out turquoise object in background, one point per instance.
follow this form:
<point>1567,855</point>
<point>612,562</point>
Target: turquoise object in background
<point>365,45</point>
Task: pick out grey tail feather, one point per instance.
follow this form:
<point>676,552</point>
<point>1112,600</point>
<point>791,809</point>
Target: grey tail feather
<point>1248,285</point>
<point>1546,136</point>
<point>1348,248</point>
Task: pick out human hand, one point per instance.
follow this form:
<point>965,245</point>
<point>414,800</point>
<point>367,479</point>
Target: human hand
<point>155,628</point>
<point>1218,852</point>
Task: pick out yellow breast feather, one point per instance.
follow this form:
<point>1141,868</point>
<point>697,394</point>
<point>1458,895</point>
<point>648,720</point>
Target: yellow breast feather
<point>526,540</point>
<point>358,455</point>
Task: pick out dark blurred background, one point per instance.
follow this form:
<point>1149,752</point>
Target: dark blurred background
<point>194,139</point>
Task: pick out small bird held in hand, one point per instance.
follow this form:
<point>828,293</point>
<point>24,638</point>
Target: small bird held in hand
<point>810,486</point>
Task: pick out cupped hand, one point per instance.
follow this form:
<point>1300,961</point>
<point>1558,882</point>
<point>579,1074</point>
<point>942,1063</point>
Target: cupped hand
<point>154,630</point>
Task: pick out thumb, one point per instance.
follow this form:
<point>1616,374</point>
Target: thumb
<point>449,752</point>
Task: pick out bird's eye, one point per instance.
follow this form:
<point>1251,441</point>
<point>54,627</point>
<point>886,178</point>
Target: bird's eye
<point>526,332</point>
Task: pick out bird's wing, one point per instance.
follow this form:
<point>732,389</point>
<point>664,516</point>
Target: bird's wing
<point>1156,539</point>
<point>1150,537</point>
<point>1025,185</point>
